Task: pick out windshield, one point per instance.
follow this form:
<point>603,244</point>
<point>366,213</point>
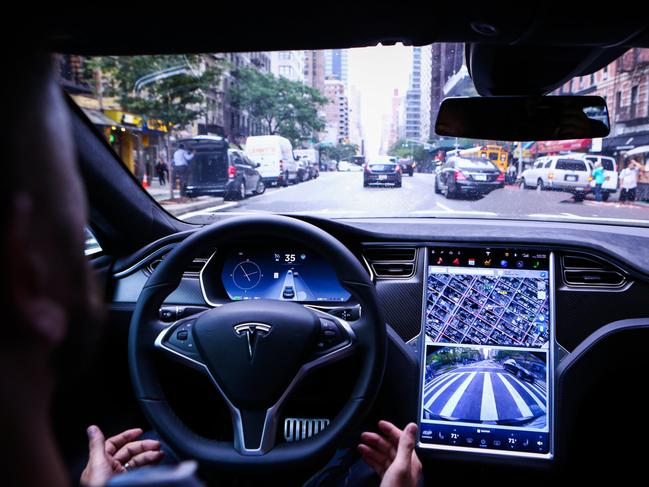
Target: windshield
<point>313,123</point>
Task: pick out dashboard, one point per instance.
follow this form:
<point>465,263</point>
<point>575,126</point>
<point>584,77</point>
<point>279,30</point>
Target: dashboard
<point>567,275</point>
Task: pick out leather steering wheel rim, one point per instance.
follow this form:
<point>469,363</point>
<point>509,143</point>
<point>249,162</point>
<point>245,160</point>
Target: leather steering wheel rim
<point>145,328</point>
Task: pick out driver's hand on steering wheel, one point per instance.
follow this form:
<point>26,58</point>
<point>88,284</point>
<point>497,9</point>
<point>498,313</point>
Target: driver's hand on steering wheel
<point>392,455</point>
<point>117,454</point>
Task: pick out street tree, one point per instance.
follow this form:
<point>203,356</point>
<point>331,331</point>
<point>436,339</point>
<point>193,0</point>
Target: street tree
<point>287,108</point>
<point>177,86</point>
<point>408,150</point>
<point>339,152</point>
<point>171,88</point>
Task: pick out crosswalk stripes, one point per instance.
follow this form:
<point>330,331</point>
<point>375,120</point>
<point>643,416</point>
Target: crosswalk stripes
<point>442,389</point>
<point>488,410</point>
<point>457,395</point>
<point>520,402</point>
<point>487,394</point>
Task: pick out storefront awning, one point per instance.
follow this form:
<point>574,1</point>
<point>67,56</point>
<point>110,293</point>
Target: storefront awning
<point>545,147</point>
<point>98,118</point>
<point>625,142</point>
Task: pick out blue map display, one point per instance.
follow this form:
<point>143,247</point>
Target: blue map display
<point>283,274</point>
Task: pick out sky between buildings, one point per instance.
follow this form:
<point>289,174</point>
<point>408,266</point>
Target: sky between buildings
<point>376,72</point>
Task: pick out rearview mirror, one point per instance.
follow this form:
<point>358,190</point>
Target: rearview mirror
<point>523,118</point>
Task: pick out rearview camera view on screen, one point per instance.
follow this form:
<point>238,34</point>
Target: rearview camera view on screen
<point>486,385</point>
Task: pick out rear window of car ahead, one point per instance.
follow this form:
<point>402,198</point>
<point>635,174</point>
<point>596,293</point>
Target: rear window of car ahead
<point>570,165</point>
<point>475,164</point>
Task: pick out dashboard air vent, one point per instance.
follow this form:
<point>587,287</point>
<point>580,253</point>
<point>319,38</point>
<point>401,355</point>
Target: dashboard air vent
<point>589,271</point>
<point>391,262</point>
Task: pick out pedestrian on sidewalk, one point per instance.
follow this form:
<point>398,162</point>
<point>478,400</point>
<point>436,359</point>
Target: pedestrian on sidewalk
<point>162,171</point>
<point>629,178</point>
<point>599,178</point>
<point>181,160</point>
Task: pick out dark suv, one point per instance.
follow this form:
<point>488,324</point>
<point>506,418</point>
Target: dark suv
<point>217,170</point>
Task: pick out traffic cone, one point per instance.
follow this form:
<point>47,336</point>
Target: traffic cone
<point>145,181</point>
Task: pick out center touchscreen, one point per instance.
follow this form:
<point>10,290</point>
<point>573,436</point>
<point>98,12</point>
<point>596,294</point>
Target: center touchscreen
<point>487,357</point>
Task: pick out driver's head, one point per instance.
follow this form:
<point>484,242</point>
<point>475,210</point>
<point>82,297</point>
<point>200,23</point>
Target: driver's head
<point>51,293</point>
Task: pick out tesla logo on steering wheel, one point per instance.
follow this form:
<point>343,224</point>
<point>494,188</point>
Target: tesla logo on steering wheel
<point>252,331</point>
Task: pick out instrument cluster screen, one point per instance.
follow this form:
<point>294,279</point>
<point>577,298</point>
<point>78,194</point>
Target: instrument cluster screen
<point>288,274</point>
<point>487,351</point>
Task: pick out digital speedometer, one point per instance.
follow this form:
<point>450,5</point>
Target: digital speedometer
<point>287,274</point>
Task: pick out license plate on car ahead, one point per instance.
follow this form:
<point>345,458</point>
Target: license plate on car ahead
<point>480,177</point>
<point>571,177</point>
<point>383,177</point>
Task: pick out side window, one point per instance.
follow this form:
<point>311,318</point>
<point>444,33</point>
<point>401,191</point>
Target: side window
<point>538,165</point>
<point>91,246</point>
<point>548,164</point>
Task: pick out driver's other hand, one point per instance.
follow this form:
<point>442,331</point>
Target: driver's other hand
<point>392,455</point>
<point>107,458</point>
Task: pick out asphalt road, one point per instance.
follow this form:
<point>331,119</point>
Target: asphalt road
<point>341,194</point>
<point>484,392</point>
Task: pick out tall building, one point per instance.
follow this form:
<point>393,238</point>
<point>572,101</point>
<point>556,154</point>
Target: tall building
<point>395,120</point>
<point>413,98</point>
<point>355,123</point>
<point>336,112</point>
<point>425,122</point>
<point>314,69</point>
<point>288,64</point>
<point>624,84</point>
<point>222,118</point>
<point>448,77</point>
<point>336,64</point>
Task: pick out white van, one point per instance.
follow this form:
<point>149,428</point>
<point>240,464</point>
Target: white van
<point>564,173</point>
<point>610,172</point>
<point>275,156</point>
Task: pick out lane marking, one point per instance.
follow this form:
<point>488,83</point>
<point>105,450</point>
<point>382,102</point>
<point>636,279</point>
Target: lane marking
<point>441,390</point>
<point>451,404</point>
<point>444,207</point>
<point>207,211</point>
<point>488,410</point>
<point>587,218</point>
<point>520,402</point>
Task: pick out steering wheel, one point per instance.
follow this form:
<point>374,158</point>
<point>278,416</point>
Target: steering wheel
<point>255,352</point>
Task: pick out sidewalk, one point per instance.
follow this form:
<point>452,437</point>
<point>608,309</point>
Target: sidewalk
<point>179,205</point>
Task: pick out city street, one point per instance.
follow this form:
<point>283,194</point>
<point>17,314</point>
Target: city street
<point>484,392</point>
<point>341,194</point>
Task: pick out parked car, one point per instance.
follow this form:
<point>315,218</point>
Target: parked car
<point>609,165</point>
<point>463,176</point>
<point>218,171</point>
<point>314,169</point>
<point>275,156</point>
<point>514,368</point>
<point>407,167</point>
<point>303,173</point>
<point>565,173</point>
<point>382,172</point>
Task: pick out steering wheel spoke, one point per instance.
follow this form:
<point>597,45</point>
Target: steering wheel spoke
<point>336,340</point>
<point>177,341</point>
